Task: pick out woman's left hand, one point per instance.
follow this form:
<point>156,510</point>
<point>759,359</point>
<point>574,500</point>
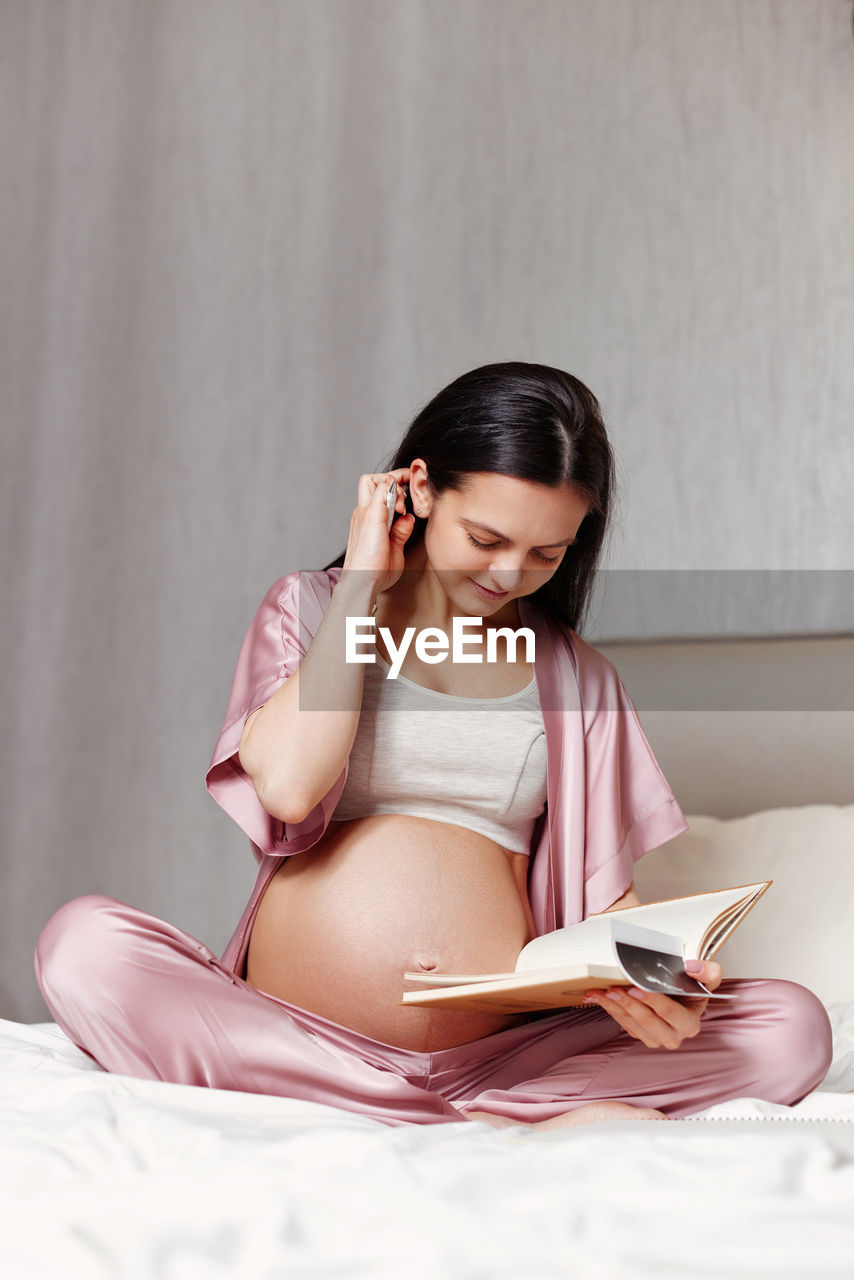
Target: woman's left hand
<point>658,1020</point>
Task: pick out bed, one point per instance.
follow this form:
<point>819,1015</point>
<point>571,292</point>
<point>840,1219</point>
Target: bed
<point>107,1175</point>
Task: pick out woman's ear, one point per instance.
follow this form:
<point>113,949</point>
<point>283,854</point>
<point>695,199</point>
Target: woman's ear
<point>419,488</point>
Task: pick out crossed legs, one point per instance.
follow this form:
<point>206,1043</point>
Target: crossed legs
<point>144,998</point>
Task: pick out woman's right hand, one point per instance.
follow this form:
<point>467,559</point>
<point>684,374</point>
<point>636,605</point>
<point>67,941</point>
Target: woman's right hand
<point>370,547</point>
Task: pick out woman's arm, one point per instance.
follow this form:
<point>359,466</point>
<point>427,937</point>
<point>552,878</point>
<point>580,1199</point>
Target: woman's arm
<point>520,863</point>
<point>293,756</point>
<point>629,899</point>
<point>295,746</point>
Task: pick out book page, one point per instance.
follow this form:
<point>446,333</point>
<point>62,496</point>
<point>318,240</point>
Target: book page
<point>590,940</point>
<point>721,928</point>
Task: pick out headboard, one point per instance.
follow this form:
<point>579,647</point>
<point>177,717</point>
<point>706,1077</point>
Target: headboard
<point>743,725</point>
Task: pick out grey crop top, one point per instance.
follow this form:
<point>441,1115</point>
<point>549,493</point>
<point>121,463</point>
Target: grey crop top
<point>476,762</point>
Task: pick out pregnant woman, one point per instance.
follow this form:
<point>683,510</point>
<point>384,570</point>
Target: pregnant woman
<point>435,816</point>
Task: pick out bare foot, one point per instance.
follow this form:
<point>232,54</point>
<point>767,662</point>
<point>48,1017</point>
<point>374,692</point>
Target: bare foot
<point>588,1114</point>
<point>497,1122</point>
<point>593,1111</point>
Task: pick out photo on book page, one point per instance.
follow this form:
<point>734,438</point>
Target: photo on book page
<point>655,962</point>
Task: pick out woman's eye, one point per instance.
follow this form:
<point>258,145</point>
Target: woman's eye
<point>487,546</point>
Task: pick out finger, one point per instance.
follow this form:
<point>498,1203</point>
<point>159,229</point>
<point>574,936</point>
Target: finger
<point>381,491</point>
<point>619,1011</point>
<point>372,482</point>
<point>400,498</point>
<point>384,488</point>
<point>402,527</point>
<point>618,1008</point>
<point>665,1025</point>
<point>683,1018</point>
<point>399,474</point>
<point>399,502</point>
<point>705,971</point>
<point>692,1003</point>
<point>687,1022</point>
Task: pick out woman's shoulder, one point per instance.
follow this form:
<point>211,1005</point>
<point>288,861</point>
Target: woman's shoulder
<point>302,592</point>
<point>583,653</point>
<point>597,676</point>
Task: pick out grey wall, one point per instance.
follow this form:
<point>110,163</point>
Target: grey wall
<point>243,244</point>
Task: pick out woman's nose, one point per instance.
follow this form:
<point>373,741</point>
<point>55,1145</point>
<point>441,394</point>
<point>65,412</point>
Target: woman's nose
<point>506,577</point>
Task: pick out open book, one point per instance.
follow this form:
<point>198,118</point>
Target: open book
<point>643,946</point>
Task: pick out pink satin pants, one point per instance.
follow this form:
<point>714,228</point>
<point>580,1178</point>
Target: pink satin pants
<point>143,998</point>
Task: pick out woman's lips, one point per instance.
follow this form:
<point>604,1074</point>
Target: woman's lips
<point>489,595</point>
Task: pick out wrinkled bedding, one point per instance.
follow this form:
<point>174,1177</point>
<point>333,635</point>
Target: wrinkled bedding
<point>106,1175</point>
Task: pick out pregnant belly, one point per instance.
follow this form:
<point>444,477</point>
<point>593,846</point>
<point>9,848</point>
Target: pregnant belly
<point>339,925</point>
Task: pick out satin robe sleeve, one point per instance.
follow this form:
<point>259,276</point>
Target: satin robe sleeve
<point>609,802</point>
<point>630,807</point>
<point>278,638</point>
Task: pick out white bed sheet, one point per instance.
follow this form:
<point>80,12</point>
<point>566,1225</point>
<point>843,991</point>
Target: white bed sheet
<point>106,1175</point>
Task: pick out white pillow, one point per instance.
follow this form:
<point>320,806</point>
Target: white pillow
<point>801,928</point>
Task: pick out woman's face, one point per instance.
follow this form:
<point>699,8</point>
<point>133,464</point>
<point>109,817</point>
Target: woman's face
<point>505,534</point>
